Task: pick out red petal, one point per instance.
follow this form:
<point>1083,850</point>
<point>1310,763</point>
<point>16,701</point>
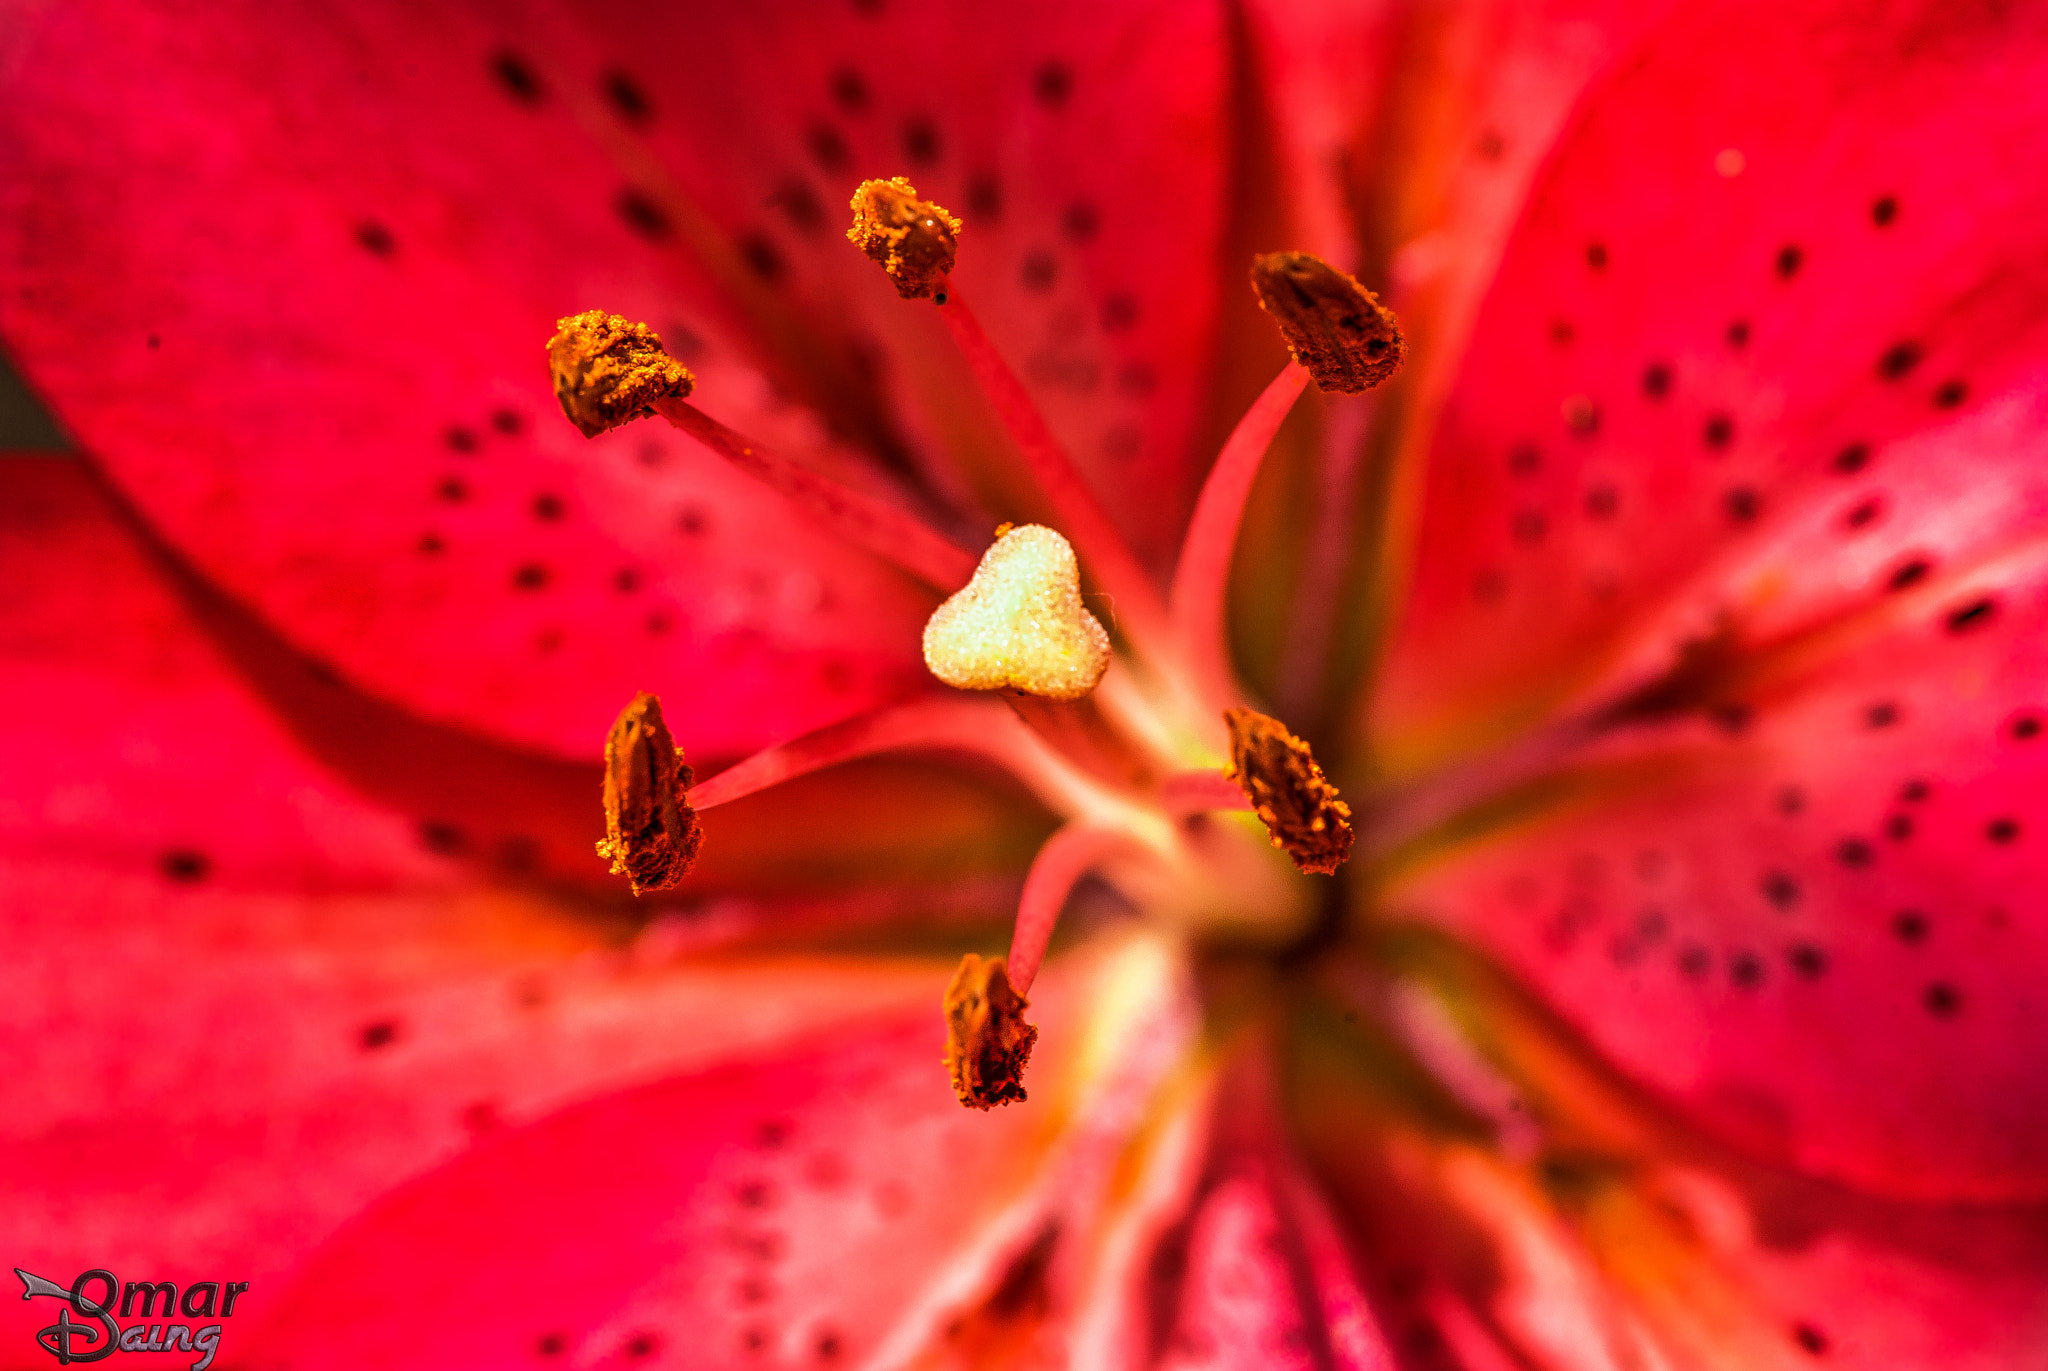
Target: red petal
<point>302,327</point>
<point>1674,357</point>
<point>1822,933</point>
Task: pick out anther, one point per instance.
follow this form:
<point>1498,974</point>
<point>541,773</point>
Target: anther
<point>1335,327</point>
<point>609,371</point>
<point>914,240</point>
<point>987,1040</point>
<point>1288,791</point>
<point>651,833</point>
<point>1019,623</point>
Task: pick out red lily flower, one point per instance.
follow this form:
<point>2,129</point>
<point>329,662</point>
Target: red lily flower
<point>1670,627</point>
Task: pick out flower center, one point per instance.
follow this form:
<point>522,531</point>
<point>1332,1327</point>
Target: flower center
<point>1133,744</point>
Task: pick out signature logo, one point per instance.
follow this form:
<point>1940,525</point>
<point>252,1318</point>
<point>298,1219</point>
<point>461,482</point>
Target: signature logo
<point>95,1335</point>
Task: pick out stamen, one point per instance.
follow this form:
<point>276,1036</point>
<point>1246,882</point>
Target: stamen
<point>1335,327</point>
<point>609,370</point>
<point>1288,791</point>
<point>651,832</point>
<point>861,519</point>
<point>1140,613</point>
<point>913,240</point>
<point>1201,579</point>
<point>1019,623</point>
<point>984,728</point>
<point>987,1040</point>
<point>1067,856</point>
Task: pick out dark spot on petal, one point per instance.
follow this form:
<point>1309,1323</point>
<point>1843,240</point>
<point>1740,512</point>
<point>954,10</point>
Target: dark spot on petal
<point>1943,1000</point>
<point>762,257</point>
<point>1810,1339</point>
<point>551,1344</point>
<point>531,576</point>
<point>1898,359</point>
<point>1808,961</point>
<point>849,90</point>
<point>1909,573</point>
<point>642,1344</point>
<point>380,1033</point>
<point>2024,727</point>
<point>771,1135</point>
<point>1852,458</point>
<point>185,866</point>
<point>1039,271</point>
<point>1746,970</point>
<point>1489,586</point>
<point>1562,333</point>
<point>1581,415</point>
<point>659,623</point>
<point>628,580</point>
<point>431,544</point>
<point>1949,394</point>
<point>1694,962</point>
<point>800,203</point>
<point>1596,256</point>
<point>984,197</point>
<point>1718,431</point>
<point>1976,614</point>
<point>754,1194</point>
<point>517,854</point>
<point>508,422</point>
<point>1882,714</point>
<point>481,1116</point>
<point>518,79</point>
<point>1898,827</point>
<point>1791,800</point>
<point>1854,852</point>
<point>547,508</point>
<point>1910,925</point>
<point>375,238</point>
<point>628,99</point>
<point>453,489</point>
<point>920,140</point>
<point>1790,258</point>
<point>1732,715</point>
<point>1913,792</point>
<point>1657,380</point>
<point>1490,146</point>
<point>827,148</point>
<point>460,439</point>
<point>1738,334</point>
<point>2002,830</point>
<point>1780,889</point>
<point>442,838</point>
<point>1051,84</point>
<point>1885,210</point>
<point>1525,460</point>
<point>642,215</point>
<point>828,1346</point>
<point>1741,504</point>
<point>1529,526</point>
<point>1863,514</point>
<point>1137,379</point>
<point>754,1340</point>
<point>153,342</point>
<point>1602,502</point>
<point>1119,312</point>
<point>1081,222</point>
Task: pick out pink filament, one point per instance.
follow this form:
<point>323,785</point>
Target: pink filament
<point>985,728</point>
<point>1200,792</point>
<point>1202,578</point>
<point>1066,857</point>
<point>1083,521</point>
<point>862,519</point>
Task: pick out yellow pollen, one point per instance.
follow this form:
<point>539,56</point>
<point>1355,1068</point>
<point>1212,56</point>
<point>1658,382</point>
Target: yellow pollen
<point>1288,791</point>
<point>608,370</point>
<point>987,1040</point>
<point>913,240</point>
<point>651,833</point>
<point>1019,623</point>
<point>1335,327</point>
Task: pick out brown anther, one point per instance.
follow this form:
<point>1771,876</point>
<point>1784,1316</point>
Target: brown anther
<point>651,833</point>
<point>1335,327</point>
<point>1288,791</point>
<point>987,1040</point>
<point>913,240</point>
<point>609,370</point>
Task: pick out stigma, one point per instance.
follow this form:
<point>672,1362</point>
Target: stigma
<point>1019,623</point>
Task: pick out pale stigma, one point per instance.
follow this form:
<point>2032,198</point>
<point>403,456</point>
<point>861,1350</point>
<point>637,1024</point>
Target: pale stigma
<point>1019,623</point>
